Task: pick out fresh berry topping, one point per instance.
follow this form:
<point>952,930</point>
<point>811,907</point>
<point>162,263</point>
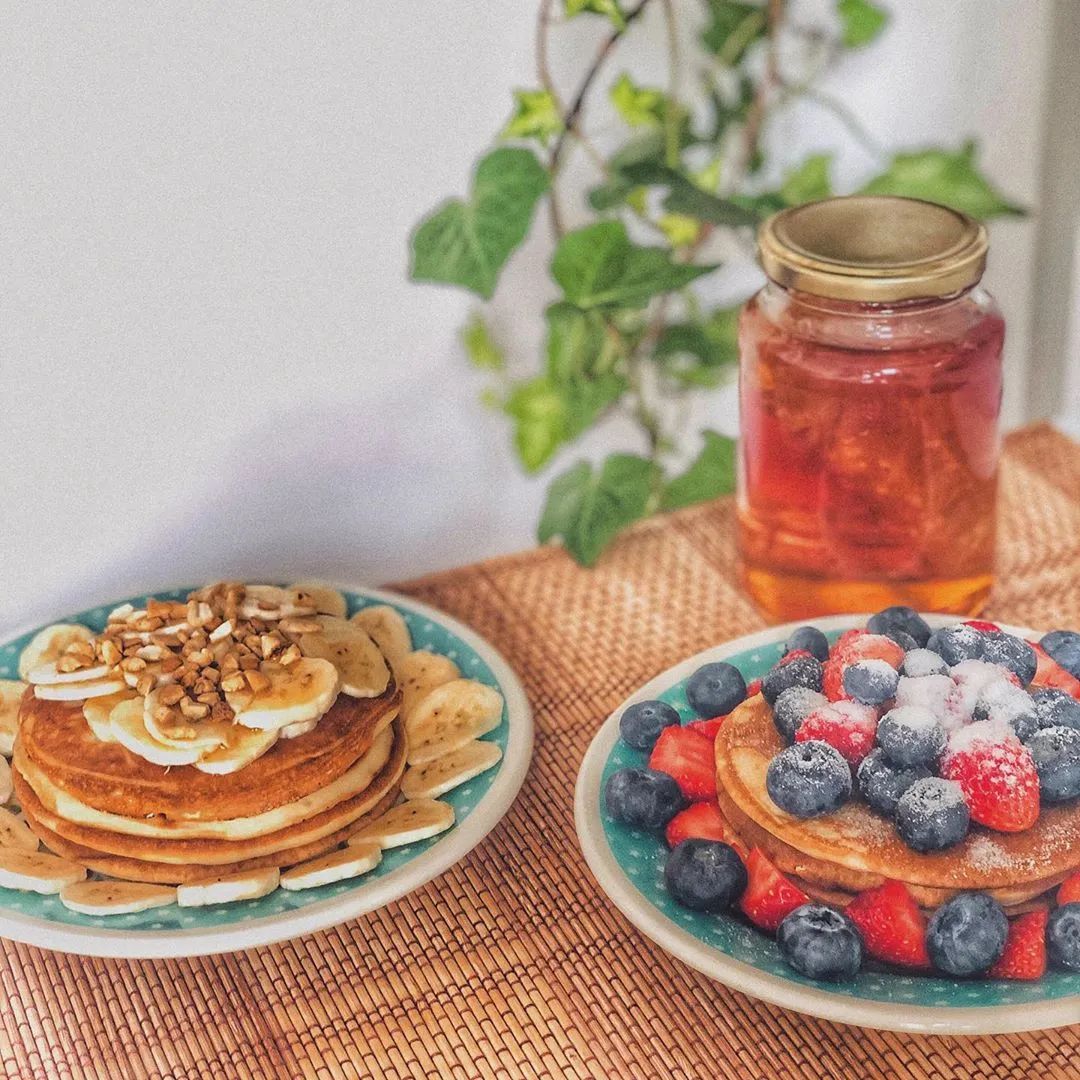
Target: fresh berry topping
<point>640,724</point>
<point>820,942</point>
<point>1054,708</point>
<point>972,678</point>
<point>701,820</point>
<point>873,682</point>
<point>832,679</point>
<point>910,735</point>
<point>982,626</point>
<point>808,779</point>
<point>920,662</point>
<point>1056,754</point>
<point>1003,703</point>
<point>846,726</point>
<point>753,687</point>
<point>1064,647</point>
<point>687,756</point>
<point>928,692</point>
<point>862,645</point>
<point>715,689</point>
<point>966,935</point>
<point>932,815</point>
<point>1012,653</point>
<point>900,619</point>
<point>1050,674</point>
<point>642,798</point>
<point>881,783</point>
<point>791,671</point>
<point>995,772</point>
<point>1063,937</point>
<point>808,639</point>
<point>792,707</point>
<point>1024,957</point>
<point>1069,890</point>
<point>891,925</point>
<point>708,728</point>
<point>769,896</point>
<point>705,875</point>
<point>955,644</point>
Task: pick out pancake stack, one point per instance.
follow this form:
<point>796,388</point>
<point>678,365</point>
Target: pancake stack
<point>835,856</point>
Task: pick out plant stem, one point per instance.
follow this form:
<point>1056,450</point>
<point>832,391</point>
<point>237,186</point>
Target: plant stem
<point>671,112</point>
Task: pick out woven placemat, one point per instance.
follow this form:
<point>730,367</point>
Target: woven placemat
<point>513,964</point>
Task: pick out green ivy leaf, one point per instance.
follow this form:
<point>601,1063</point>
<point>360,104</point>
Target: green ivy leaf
<point>467,243</point>
<point>598,266</point>
<point>861,22</point>
<point>539,412</point>
<point>639,106</point>
<point>480,347</point>
<point>700,353</point>
<point>944,177</point>
<point>808,182</point>
<point>536,116</point>
<point>710,475</point>
<point>685,197</point>
<point>577,343</point>
<point>588,509</point>
<point>610,8</point>
<point>733,28</point>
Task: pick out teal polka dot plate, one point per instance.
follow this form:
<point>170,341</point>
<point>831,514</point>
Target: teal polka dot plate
<point>628,864</point>
<point>173,931</point>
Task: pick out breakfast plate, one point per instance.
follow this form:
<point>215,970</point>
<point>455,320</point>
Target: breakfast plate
<point>628,864</point>
<point>477,803</point>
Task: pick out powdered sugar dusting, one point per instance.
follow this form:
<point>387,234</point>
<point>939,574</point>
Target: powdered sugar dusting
<point>987,855</point>
<point>929,692</point>
<point>914,717</point>
<point>984,735</point>
<point>918,663</point>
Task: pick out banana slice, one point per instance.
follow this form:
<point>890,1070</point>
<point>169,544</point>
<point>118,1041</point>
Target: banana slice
<point>11,692</point>
<point>5,780</point>
<point>80,691</point>
<point>15,833</point>
<point>228,888</point>
<point>270,603</point>
<point>406,823</point>
<point>47,645</point>
<point>303,691</point>
<point>325,599</point>
<point>446,773</point>
<point>99,710</point>
<point>129,730</point>
<point>37,871</point>
<point>386,627</point>
<point>243,746</point>
<point>348,862</point>
<point>178,731</point>
<point>294,731</point>
<point>357,658</point>
<point>50,675</point>
<point>420,673</point>
<point>450,716</point>
<point>115,897</point>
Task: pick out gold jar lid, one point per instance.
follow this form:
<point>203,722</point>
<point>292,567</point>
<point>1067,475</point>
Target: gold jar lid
<point>874,248</point>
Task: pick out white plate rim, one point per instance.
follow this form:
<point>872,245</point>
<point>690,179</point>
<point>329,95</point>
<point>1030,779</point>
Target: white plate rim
<point>269,929</point>
<point>921,1019</point>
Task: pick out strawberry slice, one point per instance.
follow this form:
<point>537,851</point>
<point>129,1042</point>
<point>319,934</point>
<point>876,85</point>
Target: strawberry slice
<point>1069,890</point>
<point>687,757</point>
<point>893,928</point>
<point>997,776</point>
<point>1051,675</point>
<point>769,896</point>
<point>702,821</point>
<point>845,725</point>
<point>1025,949</point>
<point>832,681</point>
<point>708,728</point>
<point>862,645</point>
<point>752,688</point>
<point>983,627</point>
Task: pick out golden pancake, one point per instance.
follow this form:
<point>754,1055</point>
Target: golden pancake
<point>56,737</point>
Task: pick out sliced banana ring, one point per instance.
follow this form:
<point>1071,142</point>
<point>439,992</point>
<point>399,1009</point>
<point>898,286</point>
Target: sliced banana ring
<point>79,691</point>
<point>244,745</point>
<point>50,675</point>
<point>115,897</point>
<point>294,731</point>
<point>349,648</point>
<point>406,823</point>
<point>325,599</point>
<point>446,773</point>
<point>171,728</point>
<point>37,871</point>
<point>298,693</point>
<point>348,862</point>
<point>229,888</point>
<point>48,644</point>
<point>129,730</point>
<point>15,833</point>
<point>388,629</point>
<point>98,713</point>
<point>421,672</point>
<point>11,692</point>
<point>270,603</point>
<point>5,780</point>
<point>450,716</point>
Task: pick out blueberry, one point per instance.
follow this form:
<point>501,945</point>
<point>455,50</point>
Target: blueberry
<point>715,689</point>
<point>1056,753</point>
<point>1055,708</point>
<point>955,644</point>
<point>706,875</point>
<point>792,707</point>
<point>966,935</point>
<point>1064,647</point>
<point>920,662</point>
<point>900,619</point>
<point>644,798</point>
<point>872,682</point>
<point>1012,653</point>
<point>882,783</point>
<point>811,639</point>
<point>802,671</point>
<point>905,641</point>
<point>809,779</point>
<point>1063,937</point>
<point>910,735</point>
<point>1005,703</point>
<point>641,723</point>
<point>820,942</point>
<point>932,815</point>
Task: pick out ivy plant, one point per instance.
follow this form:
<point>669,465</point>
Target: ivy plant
<point>630,333</point>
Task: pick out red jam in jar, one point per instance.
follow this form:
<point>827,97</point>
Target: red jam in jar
<point>870,390</point>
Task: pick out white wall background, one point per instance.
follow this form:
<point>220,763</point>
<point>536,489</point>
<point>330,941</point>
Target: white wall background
<point>211,362</point>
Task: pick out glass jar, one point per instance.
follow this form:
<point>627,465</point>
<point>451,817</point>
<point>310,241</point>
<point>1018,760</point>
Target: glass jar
<point>869,395</point>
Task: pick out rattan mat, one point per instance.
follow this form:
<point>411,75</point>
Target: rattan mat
<point>512,964</point>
